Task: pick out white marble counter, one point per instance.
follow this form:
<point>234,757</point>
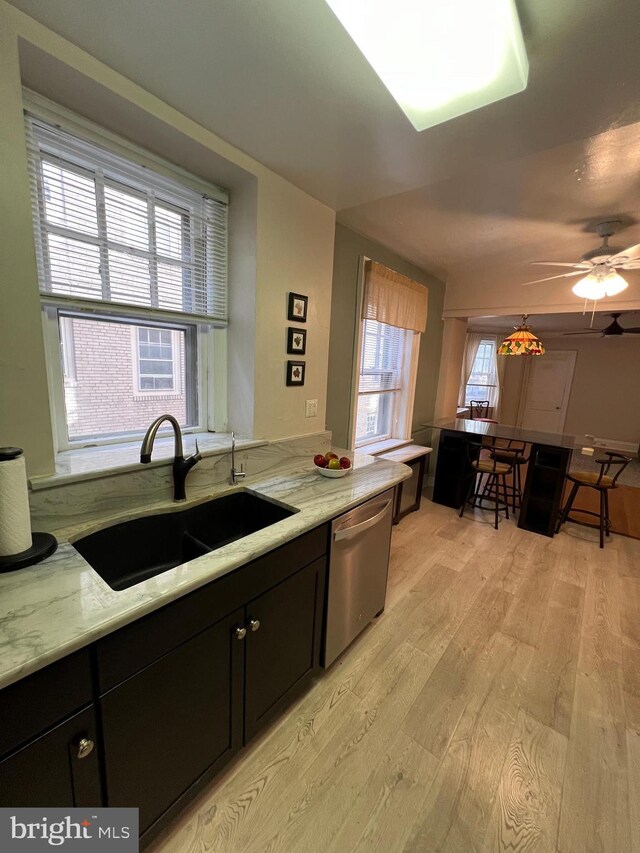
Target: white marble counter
<point>49,610</point>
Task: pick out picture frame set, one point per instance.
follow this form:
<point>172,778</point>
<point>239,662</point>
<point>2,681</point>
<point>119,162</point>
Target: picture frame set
<point>297,306</point>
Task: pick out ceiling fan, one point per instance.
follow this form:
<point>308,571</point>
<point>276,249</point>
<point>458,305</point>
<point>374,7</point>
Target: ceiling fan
<point>599,266</point>
<point>614,329</point>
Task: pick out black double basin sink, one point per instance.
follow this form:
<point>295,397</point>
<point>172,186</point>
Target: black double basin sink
<point>134,551</point>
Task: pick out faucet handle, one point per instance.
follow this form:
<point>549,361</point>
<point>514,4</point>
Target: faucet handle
<point>197,454</point>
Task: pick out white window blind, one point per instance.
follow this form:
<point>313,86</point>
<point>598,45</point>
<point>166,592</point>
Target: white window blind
<point>381,358</point>
<point>111,231</point>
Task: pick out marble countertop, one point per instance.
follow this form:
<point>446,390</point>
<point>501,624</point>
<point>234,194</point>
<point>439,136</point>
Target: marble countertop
<point>49,610</point>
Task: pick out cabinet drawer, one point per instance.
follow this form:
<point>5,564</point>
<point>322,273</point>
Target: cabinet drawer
<point>32,705</point>
<point>130,649</point>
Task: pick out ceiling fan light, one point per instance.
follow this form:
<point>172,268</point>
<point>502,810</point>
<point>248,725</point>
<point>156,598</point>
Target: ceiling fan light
<point>590,287</point>
<point>614,284</point>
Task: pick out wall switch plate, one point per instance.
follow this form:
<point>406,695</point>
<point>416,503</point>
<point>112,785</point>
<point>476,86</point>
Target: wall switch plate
<point>587,451</point>
<point>311,409</point>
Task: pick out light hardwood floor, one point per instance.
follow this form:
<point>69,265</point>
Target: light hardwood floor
<point>495,706</point>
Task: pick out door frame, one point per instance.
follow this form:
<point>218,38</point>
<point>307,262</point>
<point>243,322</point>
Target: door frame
<point>567,393</point>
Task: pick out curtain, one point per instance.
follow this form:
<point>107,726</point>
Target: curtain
<point>470,352</point>
<point>500,368</point>
<point>394,299</point>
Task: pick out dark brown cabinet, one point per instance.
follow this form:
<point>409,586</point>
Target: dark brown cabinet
<point>173,722</point>
<point>282,644</point>
<point>58,768</point>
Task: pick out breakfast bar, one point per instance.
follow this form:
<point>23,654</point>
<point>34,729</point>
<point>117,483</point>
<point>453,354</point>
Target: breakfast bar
<point>549,460</point>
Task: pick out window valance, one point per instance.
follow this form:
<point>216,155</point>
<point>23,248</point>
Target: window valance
<point>395,299</point>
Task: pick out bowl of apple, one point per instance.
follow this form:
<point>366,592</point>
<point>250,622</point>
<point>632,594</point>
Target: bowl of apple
<point>332,465</point>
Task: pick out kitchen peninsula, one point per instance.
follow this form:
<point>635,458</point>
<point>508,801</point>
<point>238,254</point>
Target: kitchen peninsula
<point>549,459</point>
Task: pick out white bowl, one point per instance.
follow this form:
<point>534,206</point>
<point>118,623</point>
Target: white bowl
<point>332,472</point>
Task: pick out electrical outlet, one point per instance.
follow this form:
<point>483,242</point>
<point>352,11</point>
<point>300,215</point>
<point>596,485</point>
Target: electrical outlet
<point>311,409</point>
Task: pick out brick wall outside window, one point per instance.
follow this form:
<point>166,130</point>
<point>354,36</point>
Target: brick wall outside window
<point>104,397</point>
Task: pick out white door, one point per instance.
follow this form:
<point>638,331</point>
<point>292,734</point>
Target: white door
<point>546,389</point>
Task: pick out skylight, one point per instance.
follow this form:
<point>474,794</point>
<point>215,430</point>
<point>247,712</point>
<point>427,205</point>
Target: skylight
<point>439,58</point>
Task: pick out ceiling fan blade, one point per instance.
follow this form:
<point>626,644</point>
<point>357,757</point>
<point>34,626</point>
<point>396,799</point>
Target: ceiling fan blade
<point>634,330</point>
<point>629,265</point>
<point>582,265</point>
<point>592,332</point>
<point>562,275</point>
<point>632,253</point>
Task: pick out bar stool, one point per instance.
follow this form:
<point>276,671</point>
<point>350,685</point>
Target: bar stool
<point>478,411</point>
<point>513,452</point>
<point>602,481</point>
<point>497,473</point>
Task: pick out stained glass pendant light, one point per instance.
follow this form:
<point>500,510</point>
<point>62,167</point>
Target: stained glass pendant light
<point>521,342</point>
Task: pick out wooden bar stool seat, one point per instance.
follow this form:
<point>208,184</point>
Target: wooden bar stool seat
<point>513,453</point>
<point>495,490</point>
<point>603,481</point>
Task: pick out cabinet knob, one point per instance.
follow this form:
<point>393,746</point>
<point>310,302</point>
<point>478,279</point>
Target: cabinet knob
<point>241,633</point>
<point>85,747</point>
<point>254,624</point>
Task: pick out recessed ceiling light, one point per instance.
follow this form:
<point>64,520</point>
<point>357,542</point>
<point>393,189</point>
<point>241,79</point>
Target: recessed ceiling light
<point>439,58</point>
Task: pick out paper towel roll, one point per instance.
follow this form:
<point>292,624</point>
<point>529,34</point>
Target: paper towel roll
<point>15,523</point>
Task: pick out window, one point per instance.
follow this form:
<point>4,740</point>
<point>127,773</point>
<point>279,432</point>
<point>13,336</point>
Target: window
<point>156,360</point>
<point>483,383</point>
<point>383,357</point>
<point>394,315</point>
<point>132,263</point>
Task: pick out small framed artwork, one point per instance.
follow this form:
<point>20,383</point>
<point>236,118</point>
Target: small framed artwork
<point>297,309</point>
<point>295,372</point>
<point>296,341</point>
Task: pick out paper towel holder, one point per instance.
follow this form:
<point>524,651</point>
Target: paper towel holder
<point>43,545</point>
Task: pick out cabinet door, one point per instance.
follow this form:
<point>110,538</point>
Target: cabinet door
<point>58,769</point>
<point>283,652</point>
<point>174,721</point>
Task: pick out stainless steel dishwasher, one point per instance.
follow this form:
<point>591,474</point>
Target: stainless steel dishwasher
<point>358,567</point>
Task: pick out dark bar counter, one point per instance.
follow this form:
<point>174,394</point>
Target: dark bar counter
<point>549,460</point>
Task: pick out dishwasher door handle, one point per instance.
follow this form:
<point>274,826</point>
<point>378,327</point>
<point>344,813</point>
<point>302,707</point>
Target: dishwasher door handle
<point>350,532</point>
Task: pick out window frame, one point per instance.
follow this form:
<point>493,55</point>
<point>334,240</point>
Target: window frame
<point>492,341</point>
<point>209,335</point>
<point>176,372</point>
<point>209,368</point>
<point>401,418</point>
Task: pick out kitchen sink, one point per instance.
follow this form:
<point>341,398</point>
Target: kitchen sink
<point>133,551</point>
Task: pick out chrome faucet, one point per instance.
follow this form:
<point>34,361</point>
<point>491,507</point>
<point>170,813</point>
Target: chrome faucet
<point>181,466</point>
<point>234,476</point>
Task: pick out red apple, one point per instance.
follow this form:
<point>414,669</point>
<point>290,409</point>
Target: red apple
<point>320,461</point>
<point>345,462</point>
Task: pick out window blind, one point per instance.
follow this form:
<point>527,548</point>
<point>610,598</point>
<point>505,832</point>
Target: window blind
<point>110,231</point>
<point>381,358</point>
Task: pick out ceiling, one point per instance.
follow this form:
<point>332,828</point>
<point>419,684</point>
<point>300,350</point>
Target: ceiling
<point>557,323</point>
<point>473,200</point>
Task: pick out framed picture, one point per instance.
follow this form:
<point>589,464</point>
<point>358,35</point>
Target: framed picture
<point>297,309</point>
<point>296,341</point>
<point>295,372</point>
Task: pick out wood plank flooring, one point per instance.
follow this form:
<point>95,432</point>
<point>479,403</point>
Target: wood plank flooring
<point>495,706</point>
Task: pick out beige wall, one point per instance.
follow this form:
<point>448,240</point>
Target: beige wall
<point>454,339</point>
<point>605,393</point>
<point>283,241</point>
<point>349,249</point>
<point>486,298</point>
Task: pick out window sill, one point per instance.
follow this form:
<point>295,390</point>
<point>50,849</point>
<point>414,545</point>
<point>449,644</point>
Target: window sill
<point>385,446</point>
<point>90,463</point>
